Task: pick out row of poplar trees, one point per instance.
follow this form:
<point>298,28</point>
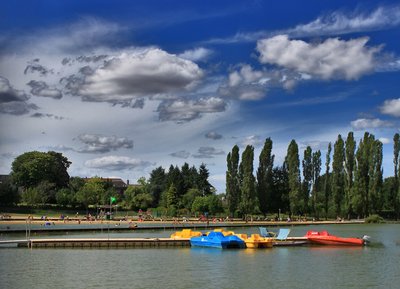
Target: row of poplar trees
<point>349,185</point>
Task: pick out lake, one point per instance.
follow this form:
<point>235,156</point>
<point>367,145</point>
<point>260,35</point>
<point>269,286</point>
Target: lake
<point>375,266</point>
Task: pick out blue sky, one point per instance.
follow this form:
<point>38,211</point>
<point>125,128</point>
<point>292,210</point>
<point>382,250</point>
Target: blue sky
<point>122,87</point>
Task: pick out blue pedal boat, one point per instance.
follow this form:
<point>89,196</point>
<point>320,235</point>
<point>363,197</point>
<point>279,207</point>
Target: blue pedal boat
<point>218,240</point>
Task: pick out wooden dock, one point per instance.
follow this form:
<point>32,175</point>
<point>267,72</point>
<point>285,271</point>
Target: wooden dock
<point>105,243</point>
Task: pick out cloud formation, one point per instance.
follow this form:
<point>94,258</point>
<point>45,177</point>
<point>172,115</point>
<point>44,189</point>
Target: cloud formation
<point>133,75</point>
<point>40,88</point>
<point>181,154</point>
<point>13,101</point>
<point>245,84</point>
<point>208,152</point>
<point>95,143</point>
<point>391,107</point>
<point>339,22</point>
<point>197,54</point>
<point>213,135</point>
<point>183,110</point>
<point>368,123</point>
<point>330,59</point>
<point>116,163</point>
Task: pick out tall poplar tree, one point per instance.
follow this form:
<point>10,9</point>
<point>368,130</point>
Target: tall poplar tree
<point>363,174</point>
<point>307,176</point>
<point>394,196</point>
<point>264,177</point>
<point>248,198</point>
<point>316,171</point>
<point>350,163</point>
<point>295,197</point>
<point>232,180</point>
<point>376,178</point>
<point>338,175</point>
<point>327,185</point>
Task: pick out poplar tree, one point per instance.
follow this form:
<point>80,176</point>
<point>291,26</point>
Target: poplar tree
<point>349,172</point>
<point>327,187</point>
<point>307,176</point>
<point>361,198</point>
<point>248,198</point>
<point>338,175</point>
<point>394,196</point>
<point>264,177</point>
<point>375,179</point>
<point>316,171</point>
<point>232,180</point>
<point>293,162</point>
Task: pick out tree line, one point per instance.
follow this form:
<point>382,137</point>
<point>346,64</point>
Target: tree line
<point>351,184</point>
<point>41,178</point>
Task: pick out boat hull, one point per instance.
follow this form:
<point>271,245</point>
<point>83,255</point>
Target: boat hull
<point>324,238</point>
<point>217,240</point>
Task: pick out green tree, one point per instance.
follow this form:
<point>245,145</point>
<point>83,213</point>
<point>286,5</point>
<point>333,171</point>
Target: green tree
<point>338,175</point>
<point>157,185</point>
<point>91,192</point>
<point>232,180</point>
<point>376,199</point>
<point>295,197</point>
<point>280,187</point>
<point>248,198</point>
<point>394,197</point>
<point>327,183</point>
<point>32,168</point>
<point>350,163</point>
<point>8,193</point>
<point>316,171</point>
<point>307,176</point>
<point>264,177</point>
<point>203,185</point>
<point>41,194</point>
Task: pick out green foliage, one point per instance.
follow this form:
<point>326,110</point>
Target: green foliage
<point>295,197</point>
<point>307,176</point>
<point>8,193</point>
<point>248,198</point>
<point>232,180</point>
<point>40,194</point>
<point>32,168</point>
<point>376,219</point>
<point>338,175</point>
<point>211,204</point>
<point>138,197</point>
<point>93,192</point>
<point>264,177</point>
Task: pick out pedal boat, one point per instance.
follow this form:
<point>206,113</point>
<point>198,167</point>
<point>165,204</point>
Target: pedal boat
<point>324,238</point>
<point>218,240</point>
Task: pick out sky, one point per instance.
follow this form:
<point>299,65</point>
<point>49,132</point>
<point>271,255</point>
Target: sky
<point>123,87</point>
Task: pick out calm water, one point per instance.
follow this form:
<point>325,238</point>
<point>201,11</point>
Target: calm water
<point>376,266</point>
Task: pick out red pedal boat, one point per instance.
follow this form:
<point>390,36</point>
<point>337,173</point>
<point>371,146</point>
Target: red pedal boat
<point>324,238</point>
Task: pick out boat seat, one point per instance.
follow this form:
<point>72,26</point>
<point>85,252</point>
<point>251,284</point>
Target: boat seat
<point>283,234</point>
<point>265,233</point>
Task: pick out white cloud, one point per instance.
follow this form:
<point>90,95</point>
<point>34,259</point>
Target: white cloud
<point>182,110</point>
<point>213,135</point>
<point>368,123</point>
<point>384,140</point>
<point>391,107</point>
<point>197,54</point>
<point>116,163</point>
<point>40,88</point>
<point>245,84</point>
<point>181,154</point>
<point>333,58</point>
<point>208,152</point>
<point>13,101</point>
<point>335,23</point>
<point>340,23</point>
<point>132,75</point>
<point>101,144</point>
<point>253,140</point>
